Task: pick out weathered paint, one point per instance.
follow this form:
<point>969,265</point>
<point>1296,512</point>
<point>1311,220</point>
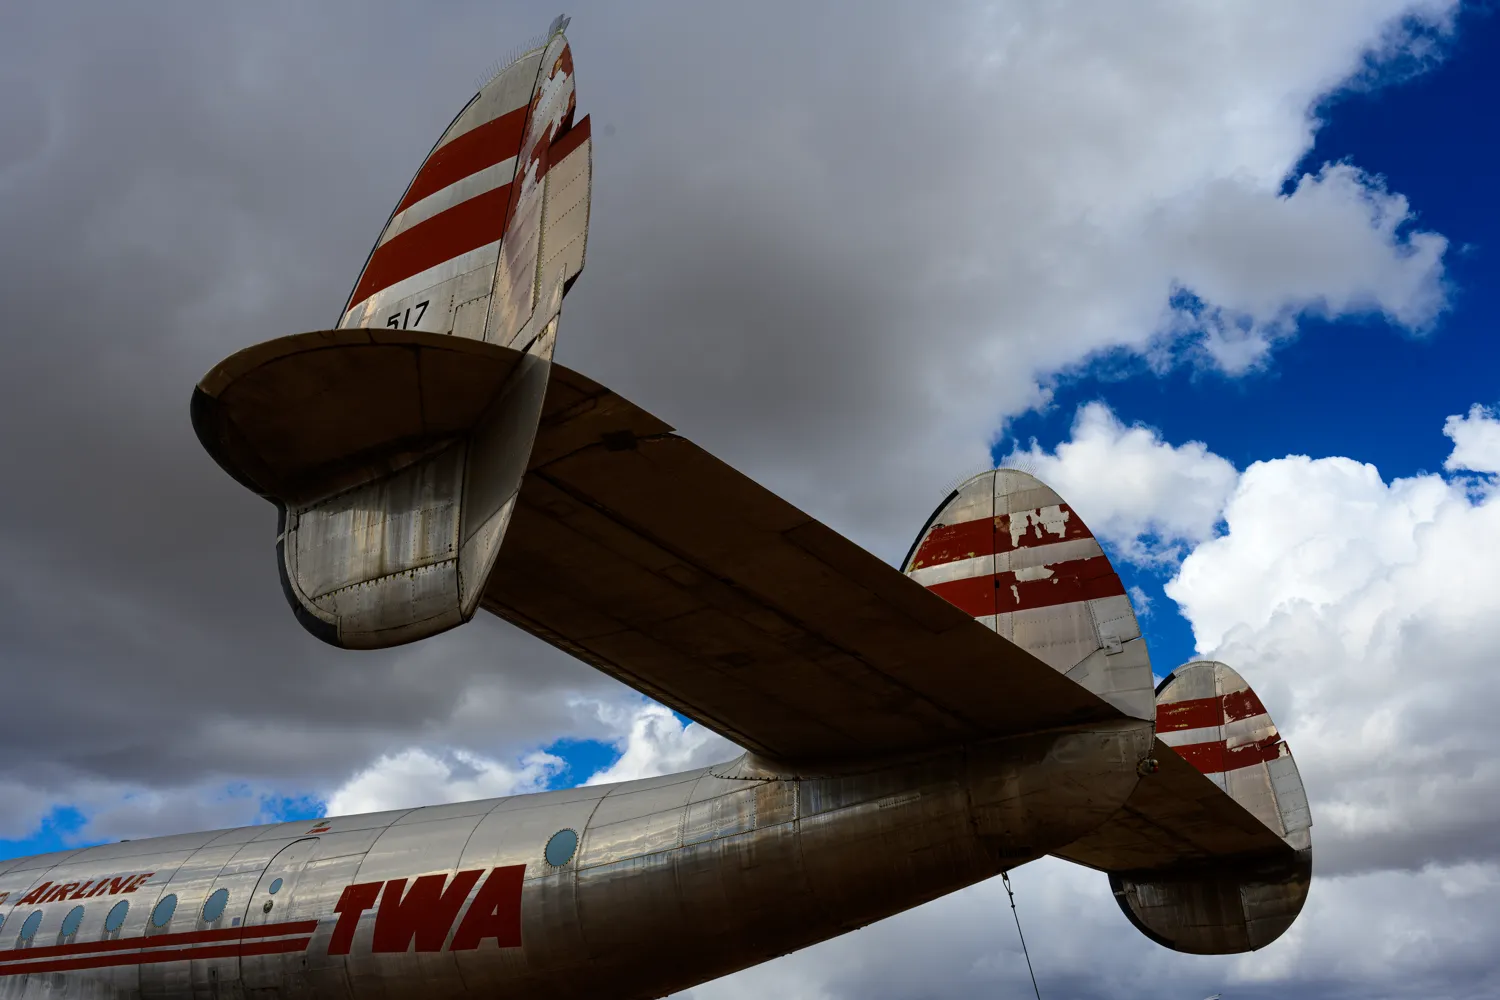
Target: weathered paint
<point>1009,551</point>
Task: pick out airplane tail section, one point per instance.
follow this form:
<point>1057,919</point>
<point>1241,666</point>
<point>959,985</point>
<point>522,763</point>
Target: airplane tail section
<point>394,445</point>
<point>1212,854</point>
<point>1009,551</point>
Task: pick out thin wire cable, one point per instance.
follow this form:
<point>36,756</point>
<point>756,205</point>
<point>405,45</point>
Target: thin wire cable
<point>1005,877</point>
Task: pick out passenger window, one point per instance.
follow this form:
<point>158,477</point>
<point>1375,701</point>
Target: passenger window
<point>162,915</point>
<point>213,907</point>
<point>28,929</point>
<point>71,921</point>
<point>559,850</point>
<point>116,916</point>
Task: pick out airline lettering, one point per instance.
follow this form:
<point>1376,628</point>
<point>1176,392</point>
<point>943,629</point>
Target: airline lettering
<point>48,892</point>
<point>422,914</point>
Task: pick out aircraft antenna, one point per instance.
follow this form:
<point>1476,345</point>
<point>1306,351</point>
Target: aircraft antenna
<point>1005,878</point>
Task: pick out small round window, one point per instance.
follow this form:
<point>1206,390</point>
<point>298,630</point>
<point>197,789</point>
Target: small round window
<point>116,916</point>
<point>213,907</point>
<point>71,921</point>
<point>28,929</point>
<point>275,886</point>
<point>162,914</point>
<point>560,848</point>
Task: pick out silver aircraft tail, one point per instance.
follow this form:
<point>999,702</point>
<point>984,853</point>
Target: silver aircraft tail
<point>394,446</point>
<point>1212,854</point>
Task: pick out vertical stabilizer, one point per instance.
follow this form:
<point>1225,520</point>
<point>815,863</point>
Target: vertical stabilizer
<point>1005,548</point>
<point>394,446</point>
<point>1195,870</point>
<point>484,232</point>
<point>1208,714</point>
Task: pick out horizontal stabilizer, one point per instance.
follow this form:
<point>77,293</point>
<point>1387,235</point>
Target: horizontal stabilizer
<point>642,554</point>
<point>393,456</point>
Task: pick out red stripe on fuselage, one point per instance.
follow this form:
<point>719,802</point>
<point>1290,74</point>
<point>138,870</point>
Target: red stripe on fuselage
<point>163,940</point>
<point>483,146</point>
<point>234,949</point>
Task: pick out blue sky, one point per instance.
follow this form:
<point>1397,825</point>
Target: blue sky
<point>1356,386</point>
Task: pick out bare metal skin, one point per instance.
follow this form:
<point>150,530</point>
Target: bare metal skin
<point>675,880</point>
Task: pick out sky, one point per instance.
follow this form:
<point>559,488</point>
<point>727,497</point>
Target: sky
<point>1223,275</point>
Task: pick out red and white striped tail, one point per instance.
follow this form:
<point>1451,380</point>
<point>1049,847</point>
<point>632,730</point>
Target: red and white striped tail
<point>395,445</point>
<point>492,228</point>
<point>1210,716</point>
<point>1236,902</point>
<point>1005,548</point>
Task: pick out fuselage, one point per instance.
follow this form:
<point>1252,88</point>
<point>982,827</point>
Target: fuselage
<point>627,890</point>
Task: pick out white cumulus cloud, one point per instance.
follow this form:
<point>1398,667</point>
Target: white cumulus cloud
<point>1147,497</point>
<point>1363,611</point>
<point>1476,440</point>
<point>1332,246</point>
<point>420,777</point>
<point>658,743</point>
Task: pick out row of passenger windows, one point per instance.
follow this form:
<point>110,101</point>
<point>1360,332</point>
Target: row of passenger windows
<point>161,914</point>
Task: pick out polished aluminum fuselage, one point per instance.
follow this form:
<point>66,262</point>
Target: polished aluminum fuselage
<point>675,880</point>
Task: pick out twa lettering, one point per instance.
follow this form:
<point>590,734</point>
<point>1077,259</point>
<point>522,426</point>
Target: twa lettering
<point>47,892</point>
<point>422,914</point>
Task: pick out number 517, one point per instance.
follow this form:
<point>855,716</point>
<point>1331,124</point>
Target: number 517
<point>403,320</point>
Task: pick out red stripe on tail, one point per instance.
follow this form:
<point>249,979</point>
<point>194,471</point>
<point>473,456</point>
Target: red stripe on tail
<point>1216,757</point>
<point>990,535</point>
<point>1070,582</point>
<point>466,226</point>
<point>1198,713</point>
<point>951,542</point>
<point>482,146</point>
<point>1076,580</point>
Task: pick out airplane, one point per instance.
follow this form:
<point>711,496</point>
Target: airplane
<point>906,732</point>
